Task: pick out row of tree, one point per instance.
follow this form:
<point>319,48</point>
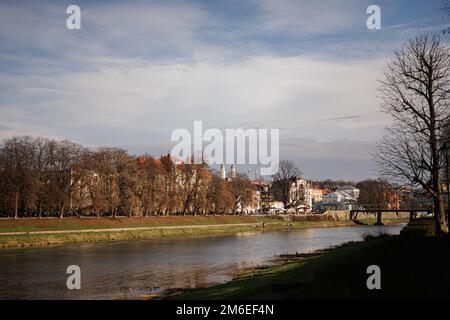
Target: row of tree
<point>40,177</point>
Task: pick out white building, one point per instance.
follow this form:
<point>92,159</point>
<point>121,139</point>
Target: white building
<point>352,191</point>
<point>344,197</point>
<point>301,189</point>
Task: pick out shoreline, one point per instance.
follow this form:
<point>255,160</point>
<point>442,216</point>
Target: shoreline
<point>45,238</point>
<point>313,275</point>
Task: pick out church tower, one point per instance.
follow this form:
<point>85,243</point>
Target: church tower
<point>233,172</point>
<point>222,171</point>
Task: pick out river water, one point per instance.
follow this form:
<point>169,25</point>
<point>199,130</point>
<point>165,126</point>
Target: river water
<point>136,268</point>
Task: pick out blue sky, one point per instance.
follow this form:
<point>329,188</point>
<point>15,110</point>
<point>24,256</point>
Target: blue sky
<point>137,70</point>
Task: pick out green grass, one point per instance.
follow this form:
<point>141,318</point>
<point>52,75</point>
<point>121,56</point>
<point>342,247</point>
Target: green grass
<point>46,224</point>
<point>21,229</point>
<point>36,240</point>
<point>420,227</point>
<point>228,227</point>
<point>411,267</point>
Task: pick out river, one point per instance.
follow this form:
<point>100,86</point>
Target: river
<point>132,269</point>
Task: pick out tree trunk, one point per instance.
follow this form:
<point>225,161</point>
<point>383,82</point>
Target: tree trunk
<point>442,214</point>
<point>16,205</point>
<point>437,189</point>
<point>439,214</point>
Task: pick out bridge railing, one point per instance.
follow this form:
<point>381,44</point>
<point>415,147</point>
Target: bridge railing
<point>414,211</point>
<point>402,206</point>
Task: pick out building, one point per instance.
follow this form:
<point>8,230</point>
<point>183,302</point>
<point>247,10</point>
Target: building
<point>223,173</point>
<point>233,172</point>
<point>301,189</point>
<point>352,191</point>
<point>316,196</point>
<point>264,198</point>
<point>277,207</point>
<point>344,198</point>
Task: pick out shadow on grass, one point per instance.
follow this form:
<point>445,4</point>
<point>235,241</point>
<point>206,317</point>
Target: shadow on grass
<point>412,267</point>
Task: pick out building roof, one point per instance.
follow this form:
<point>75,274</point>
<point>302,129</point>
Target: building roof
<point>342,194</point>
<point>347,187</point>
<point>260,183</point>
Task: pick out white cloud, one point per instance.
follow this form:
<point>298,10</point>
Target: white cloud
<point>311,17</point>
<point>133,74</point>
<point>106,29</point>
<point>298,94</point>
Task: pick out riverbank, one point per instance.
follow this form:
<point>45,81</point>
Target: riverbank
<point>44,232</point>
<point>411,267</point>
<point>91,223</point>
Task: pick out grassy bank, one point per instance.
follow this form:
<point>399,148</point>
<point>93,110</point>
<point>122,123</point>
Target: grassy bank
<point>411,267</point>
<point>36,240</point>
<point>55,224</point>
<point>91,230</point>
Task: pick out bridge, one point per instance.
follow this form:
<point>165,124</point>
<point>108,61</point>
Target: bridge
<point>413,212</point>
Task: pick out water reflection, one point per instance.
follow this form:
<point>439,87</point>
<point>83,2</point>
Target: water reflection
<point>132,269</point>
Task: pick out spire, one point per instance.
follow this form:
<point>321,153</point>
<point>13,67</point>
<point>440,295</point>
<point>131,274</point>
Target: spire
<point>233,172</point>
<point>222,171</point>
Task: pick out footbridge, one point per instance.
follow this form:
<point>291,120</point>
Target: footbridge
<point>379,211</point>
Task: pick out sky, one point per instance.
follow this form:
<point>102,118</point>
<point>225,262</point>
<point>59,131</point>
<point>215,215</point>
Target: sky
<point>138,70</point>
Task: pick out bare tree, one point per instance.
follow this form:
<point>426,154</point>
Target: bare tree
<point>113,176</point>
<point>103,185</point>
<point>40,174</point>
<point>415,92</point>
<point>126,168</point>
<point>16,157</point>
<point>193,176</point>
<point>220,196</point>
<point>146,177</point>
<point>284,186</point>
<point>377,194</point>
<point>63,157</point>
<point>242,191</point>
<point>84,176</point>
